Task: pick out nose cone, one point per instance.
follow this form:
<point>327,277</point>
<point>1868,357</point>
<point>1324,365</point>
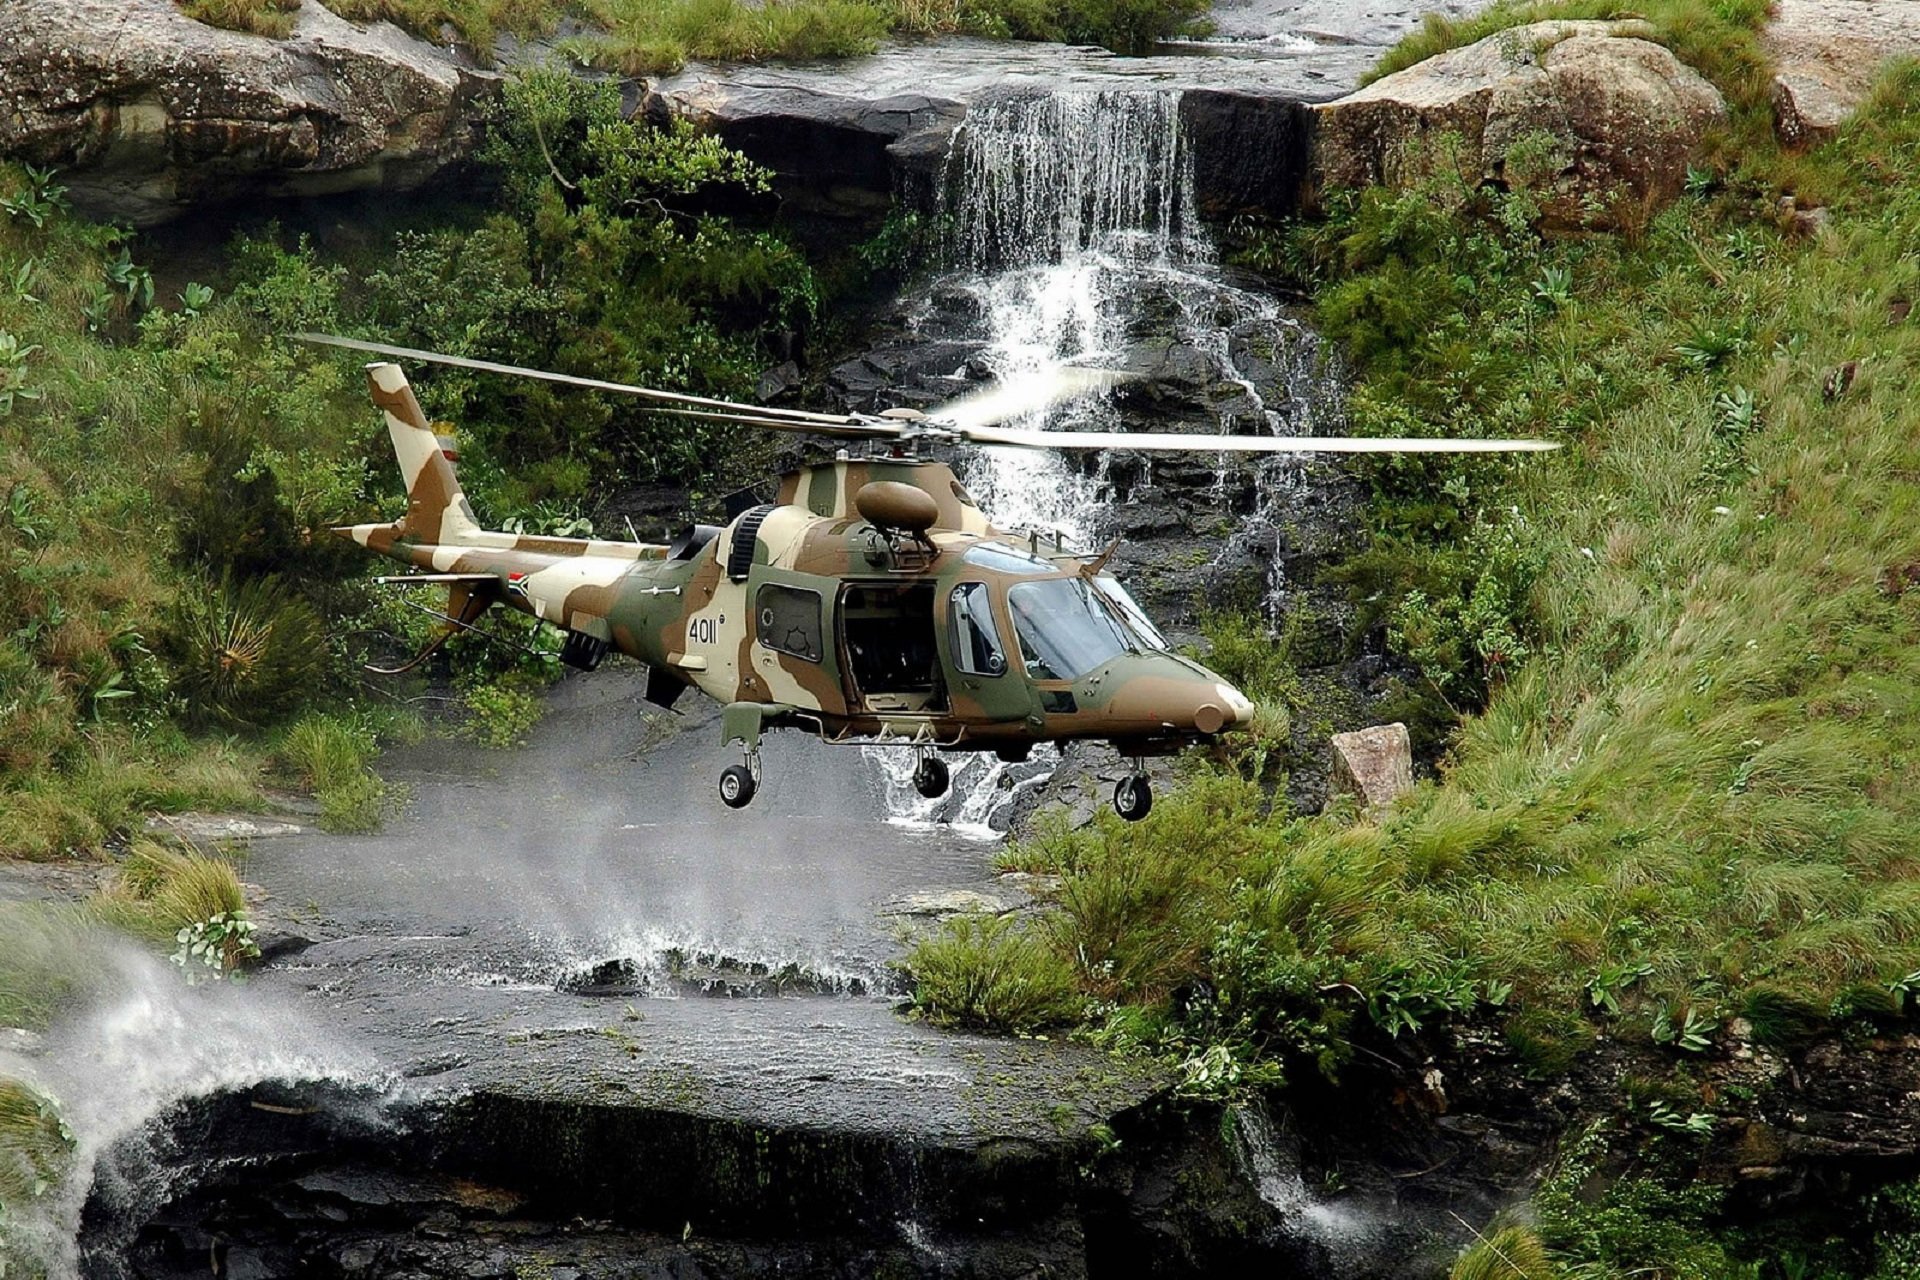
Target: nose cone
<point>1164,694</point>
<point>1227,708</point>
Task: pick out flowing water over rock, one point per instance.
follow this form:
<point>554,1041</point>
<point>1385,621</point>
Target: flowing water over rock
<point>1072,236</point>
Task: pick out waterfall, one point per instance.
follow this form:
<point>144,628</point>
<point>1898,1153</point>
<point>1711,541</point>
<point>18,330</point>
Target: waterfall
<point>1071,235</point>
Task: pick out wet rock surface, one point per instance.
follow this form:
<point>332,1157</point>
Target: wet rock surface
<point>584,986</point>
<point>845,135</point>
<point>1619,115</point>
<point>149,113</point>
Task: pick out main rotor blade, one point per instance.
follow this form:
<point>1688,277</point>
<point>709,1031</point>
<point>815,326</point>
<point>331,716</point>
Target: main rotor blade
<point>797,416</point>
<point>860,430</point>
<point>1022,394</point>
<point>1151,441</point>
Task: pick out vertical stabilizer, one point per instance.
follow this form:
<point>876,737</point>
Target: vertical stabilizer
<point>437,510</point>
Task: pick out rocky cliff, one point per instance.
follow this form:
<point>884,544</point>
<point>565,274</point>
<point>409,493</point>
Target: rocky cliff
<point>149,113</point>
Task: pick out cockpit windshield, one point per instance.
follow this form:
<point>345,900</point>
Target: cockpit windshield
<point>1130,611</point>
<point>1066,628</point>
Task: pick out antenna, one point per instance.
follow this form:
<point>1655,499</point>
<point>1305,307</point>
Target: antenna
<point>630,530</point>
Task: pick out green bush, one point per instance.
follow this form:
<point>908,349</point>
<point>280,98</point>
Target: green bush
<point>501,713</point>
<point>244,654</point>
<point>995,973</point>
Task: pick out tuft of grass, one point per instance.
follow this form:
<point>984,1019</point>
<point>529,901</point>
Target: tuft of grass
<point>330,755</point>
<point>993,972</point>
<point>163,890</point>
<point>36,1148</point>
<point>652,36</point>
<point>48,960</point>
<point>1511,1253</point>
<point>274,18</point>
<point>476,23</point>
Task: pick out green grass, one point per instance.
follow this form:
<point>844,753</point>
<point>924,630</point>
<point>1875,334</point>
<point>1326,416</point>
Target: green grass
<point>643,37</point>
<point>1510,1253</point>
<point>1695,793</point>
<point>257,17</point>
<point>35,1148</point>
<point>331,756</point>
<point>994,972</point>
<point>162,890</point>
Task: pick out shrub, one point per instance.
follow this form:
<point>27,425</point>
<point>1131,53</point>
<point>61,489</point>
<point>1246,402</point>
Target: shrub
<point>501,713</point>
<point>995,973</point>
<point>244,654</point>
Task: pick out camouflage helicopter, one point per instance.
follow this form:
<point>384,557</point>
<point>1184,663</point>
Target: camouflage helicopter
<point>872,602</point>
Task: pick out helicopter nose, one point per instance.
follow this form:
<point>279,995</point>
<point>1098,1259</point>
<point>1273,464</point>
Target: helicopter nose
<point>1221,706</point>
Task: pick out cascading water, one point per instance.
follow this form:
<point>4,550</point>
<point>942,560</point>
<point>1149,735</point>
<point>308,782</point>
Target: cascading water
<point>1073,237</point>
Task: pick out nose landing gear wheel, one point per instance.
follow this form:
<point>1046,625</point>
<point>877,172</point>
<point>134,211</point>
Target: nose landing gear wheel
<point>737,786</point>
<point>1132,798</point>
<point>931,777</point>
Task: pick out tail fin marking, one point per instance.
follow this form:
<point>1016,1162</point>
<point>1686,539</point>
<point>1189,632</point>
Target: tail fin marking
<point>437,510</point>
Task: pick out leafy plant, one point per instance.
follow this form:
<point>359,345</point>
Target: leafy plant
<point>195,298</point>
<point>1606,987</point>
<point>135,281</point>
<point>14,386</point>
<point>215,948</point>
<point>20,284</point>
<point>1695,1124</point>
<point>1690,1035</point>
<point>42,198</point>
<point>1711,345</point>
<point>1554,286</point>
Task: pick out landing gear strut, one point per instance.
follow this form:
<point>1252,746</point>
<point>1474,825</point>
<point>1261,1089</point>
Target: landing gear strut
<point>739,782</point>
<point>1133,794</point>
<point>931,776</point>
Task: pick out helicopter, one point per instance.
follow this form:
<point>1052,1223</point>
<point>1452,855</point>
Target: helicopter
<point>872,602</point>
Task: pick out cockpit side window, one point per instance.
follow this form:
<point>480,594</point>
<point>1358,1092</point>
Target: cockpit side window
<point>1130,611</point>
<point>976,640</point>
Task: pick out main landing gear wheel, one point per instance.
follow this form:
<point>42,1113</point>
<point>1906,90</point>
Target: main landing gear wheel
<point>737,786</point>
<point>1133,797</point>
<point>931,777</point>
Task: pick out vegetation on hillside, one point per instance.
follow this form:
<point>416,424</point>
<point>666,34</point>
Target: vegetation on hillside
<point>180,627</point>
<point>1687,647</point>
<point>652,36</point>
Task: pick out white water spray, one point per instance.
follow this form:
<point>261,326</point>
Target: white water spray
<point>151,1045</point>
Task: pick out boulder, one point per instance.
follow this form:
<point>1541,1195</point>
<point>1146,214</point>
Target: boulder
<point>1619,114</point>
<point>149,112</point>
<point>1826,56</point>
<point>1374,764</point>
